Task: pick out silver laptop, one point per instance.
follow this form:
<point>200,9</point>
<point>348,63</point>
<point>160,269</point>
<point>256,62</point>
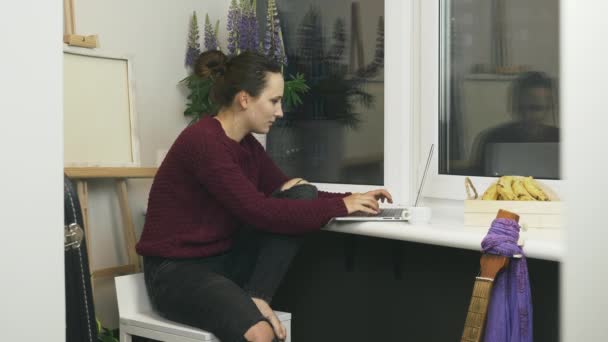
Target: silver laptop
<point>540,160</point>
<point>393,213</point>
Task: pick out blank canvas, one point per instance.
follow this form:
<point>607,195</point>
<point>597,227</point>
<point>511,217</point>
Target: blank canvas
<point>99,127</point>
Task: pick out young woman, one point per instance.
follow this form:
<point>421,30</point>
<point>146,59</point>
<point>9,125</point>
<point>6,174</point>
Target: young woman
<point>223,220</point>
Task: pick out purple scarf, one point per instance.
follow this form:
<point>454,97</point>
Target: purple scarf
<point>510,310</point>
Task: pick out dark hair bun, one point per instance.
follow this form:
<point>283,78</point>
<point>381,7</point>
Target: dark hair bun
<point>244,72</point>
<point>211,63</point>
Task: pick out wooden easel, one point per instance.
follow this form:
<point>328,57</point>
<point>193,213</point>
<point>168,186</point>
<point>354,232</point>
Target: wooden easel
<point>69,28</point>
<point>81,175</point>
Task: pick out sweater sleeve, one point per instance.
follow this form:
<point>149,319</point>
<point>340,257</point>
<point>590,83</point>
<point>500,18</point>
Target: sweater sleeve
<point>223,178</point>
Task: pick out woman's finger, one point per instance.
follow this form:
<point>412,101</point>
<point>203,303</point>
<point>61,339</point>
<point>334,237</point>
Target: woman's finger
<point>284,331</point>
<point>276,326</point>
<point>387,195</point>
<point>363,208</point>
<point>382,193</point>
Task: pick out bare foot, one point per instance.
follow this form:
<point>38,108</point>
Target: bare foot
<point>279,329</point>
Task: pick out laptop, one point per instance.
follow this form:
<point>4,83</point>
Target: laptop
<point>392,213</point>
<point>540,160</point>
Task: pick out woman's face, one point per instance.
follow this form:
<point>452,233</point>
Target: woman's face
<point>535,104</point>
<point>262,111</point>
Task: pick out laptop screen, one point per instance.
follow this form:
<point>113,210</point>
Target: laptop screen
<point>540,160</point>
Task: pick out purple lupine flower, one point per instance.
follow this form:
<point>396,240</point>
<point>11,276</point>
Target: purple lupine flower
<point>279,53</point>
<point>272,8</point>
<point>282,54</point>
<point>248,27</point>
<point>273,40</point>
<point>267,43</point>
<point>243,25</point>
<point>194,47</point>
<point>215,31</point>
<point>281,44</point>
<point>254,42</point>
<point>232,27</point>
<point>210,36</point>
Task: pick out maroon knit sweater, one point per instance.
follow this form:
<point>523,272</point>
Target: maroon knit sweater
<point>209,185</point>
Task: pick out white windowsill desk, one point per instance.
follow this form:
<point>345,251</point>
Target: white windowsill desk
<point>446,228</point>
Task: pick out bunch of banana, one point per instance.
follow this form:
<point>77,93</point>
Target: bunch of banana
<point>512,188</point>
<point>491,193</point>
<point>535,190</point>
<point>505,188</point>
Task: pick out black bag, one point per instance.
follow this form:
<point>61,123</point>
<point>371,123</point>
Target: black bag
<point>80,313</point>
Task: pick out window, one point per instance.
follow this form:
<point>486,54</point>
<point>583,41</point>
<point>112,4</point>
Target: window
<point>498,88</point>
<point>338,134</point>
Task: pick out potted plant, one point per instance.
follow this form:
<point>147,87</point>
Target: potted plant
<point>242,27</point>
<point>309,139</point>
<point>335,91</point>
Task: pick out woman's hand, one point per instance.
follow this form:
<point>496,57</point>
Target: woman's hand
<point>279,329</point>
<point>367,202</point>
<point>381,195</point>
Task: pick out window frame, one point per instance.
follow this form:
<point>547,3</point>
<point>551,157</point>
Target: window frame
<point>427,43</point>
<point>399,19</point>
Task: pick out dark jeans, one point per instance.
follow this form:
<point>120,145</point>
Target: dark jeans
<point>214,293</point>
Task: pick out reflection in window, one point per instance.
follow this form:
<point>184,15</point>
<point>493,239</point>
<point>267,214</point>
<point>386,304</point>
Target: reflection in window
<point>337,134</point>
<point>498,94</point>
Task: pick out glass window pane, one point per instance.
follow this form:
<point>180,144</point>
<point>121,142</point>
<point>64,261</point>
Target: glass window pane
<point>337,134</point>
<point>499,68</point>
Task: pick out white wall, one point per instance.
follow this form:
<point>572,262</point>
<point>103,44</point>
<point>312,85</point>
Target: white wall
<point>32,305</point>
<point>584,75</point>
<point>153,33</point>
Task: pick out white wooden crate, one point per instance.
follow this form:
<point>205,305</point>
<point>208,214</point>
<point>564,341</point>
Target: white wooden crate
<point>533,214</point>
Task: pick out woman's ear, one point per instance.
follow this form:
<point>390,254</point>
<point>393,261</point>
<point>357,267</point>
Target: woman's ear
<point>242,98</point>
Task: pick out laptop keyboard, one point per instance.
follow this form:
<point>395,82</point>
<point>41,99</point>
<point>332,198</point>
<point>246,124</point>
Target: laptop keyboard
<point>383,213</point>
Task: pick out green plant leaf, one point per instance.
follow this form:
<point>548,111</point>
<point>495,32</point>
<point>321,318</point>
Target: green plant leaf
<point>199,102</point>
<point>105,334</point>
<point>294,87</point>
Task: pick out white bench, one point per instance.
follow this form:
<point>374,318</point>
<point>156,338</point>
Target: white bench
<point>137,318</point>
